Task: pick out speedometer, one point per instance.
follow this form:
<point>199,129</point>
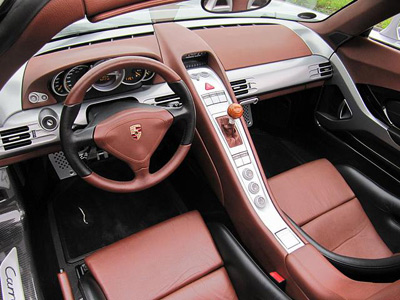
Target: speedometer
<point>74,75</point>
<point>109,81</point>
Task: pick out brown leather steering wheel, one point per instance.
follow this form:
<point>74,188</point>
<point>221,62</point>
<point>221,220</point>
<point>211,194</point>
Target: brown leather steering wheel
<point>129,131</point>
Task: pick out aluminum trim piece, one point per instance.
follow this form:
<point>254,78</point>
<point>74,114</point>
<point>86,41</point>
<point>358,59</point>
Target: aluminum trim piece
<point>215,109</point>
<point>11,95</point>
<point>278,75</point>
<point>10,275</point>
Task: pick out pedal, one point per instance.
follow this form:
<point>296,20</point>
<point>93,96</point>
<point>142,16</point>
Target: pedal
<point>247,114</point>
<point>61,165</point>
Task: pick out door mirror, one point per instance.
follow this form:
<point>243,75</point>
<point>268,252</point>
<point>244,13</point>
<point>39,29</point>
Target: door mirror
<point>232,6</point>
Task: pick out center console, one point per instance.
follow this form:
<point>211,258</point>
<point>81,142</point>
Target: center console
<point>232,137</point>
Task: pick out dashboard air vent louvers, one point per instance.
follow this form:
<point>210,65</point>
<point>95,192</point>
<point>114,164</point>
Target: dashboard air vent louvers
<point>325,69</point>
<point>240,87</point>
<point>169,100</point>
<point>320,71</point>
<point>15,137</point>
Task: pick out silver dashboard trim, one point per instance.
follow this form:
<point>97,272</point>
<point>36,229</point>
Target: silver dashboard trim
<point>11,95</point>
<point>278,75</point>
<point>40,137</point>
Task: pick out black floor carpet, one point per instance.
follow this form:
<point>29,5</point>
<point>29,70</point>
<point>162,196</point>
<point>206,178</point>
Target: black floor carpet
<point>281,152</point>
<point>88,218</point>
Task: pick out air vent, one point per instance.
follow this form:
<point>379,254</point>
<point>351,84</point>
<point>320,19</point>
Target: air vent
<point>320,71</point>
<point>195,60</point>
<point>241,87</point>
<point>225,25</point>
<point>15,137</point>
<point>325,69</point>
<point>169,100</point>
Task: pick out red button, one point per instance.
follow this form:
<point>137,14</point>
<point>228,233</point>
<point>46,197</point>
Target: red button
<point>209,87</point>
<point>278,278</point>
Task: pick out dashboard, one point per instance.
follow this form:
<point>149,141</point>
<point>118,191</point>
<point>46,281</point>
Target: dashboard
<point>290,56</point>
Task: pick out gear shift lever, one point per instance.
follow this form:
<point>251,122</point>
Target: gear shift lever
<point>227,125</point>
<point>235,111</point>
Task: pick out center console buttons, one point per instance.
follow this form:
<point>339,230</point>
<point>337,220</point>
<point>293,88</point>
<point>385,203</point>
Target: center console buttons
<point>254,188</point>
<point>260,202</point>
<point>247,174</point>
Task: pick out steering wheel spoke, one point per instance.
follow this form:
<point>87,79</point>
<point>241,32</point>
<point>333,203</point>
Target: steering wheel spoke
<point>84,137</point>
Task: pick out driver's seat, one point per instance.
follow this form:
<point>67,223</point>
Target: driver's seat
<point>176,259</point>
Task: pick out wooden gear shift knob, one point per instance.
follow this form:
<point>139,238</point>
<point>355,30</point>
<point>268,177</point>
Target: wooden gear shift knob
<point>235,110</point>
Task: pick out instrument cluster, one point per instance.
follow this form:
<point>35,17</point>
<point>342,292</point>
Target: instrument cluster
<point>63,82</point>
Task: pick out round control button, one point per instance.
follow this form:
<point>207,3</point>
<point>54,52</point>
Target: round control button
<point>33,98</point>
<point>260,202</point>
<point>45,97</point>
<point>254,188</point>
<point>247,174</point>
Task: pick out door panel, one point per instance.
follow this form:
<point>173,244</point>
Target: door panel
<point>370,62</point>
<point>368,105</point>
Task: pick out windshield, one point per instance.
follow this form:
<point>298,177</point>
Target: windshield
<point>297,10</point>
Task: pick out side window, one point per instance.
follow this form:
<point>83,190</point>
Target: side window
<point>388,32</point>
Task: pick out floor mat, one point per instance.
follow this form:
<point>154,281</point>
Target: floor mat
<point>278,153</point>
<point>88,218</point>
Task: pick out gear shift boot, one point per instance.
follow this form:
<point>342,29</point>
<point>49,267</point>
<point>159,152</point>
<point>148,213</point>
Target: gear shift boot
<point>229,131</point>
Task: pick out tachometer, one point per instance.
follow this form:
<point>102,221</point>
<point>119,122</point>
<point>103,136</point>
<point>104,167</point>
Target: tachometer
<point>133,76</point>
<point>148,75</point>
<point>74,75</point>
<point>57,84</point>
<point>109,81</point>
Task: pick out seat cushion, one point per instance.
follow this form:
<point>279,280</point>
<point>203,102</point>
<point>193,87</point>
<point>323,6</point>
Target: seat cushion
<point>176,256</point>
<point>317,198</point>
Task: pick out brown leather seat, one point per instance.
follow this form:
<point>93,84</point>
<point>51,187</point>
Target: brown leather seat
<point>317,198</point>
<point>320,202</point>
<point>177,259</point>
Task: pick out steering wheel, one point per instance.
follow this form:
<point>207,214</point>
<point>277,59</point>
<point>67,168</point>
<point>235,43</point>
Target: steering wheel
<point>129,131</point>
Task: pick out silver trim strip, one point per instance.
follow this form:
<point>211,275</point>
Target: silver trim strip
<point>11,95</point>
<point>279,75</point>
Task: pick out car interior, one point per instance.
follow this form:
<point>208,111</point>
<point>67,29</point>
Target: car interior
<point>200,149</point>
